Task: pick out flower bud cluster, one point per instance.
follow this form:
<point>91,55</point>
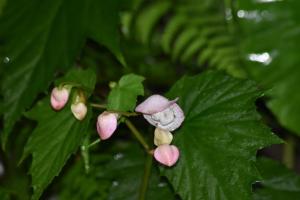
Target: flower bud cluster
<point>60,97</point>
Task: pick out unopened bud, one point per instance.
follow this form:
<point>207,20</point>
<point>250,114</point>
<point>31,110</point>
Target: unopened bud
<point>79,110</point>
<point>59,97</point>
<point>166,154</point>
<point>107,123</point>
<point>162,137</point>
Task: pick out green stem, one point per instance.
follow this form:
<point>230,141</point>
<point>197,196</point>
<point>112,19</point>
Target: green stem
<point>127,114</point>
<point>137,134</point>
<point>94,143</point>
<point>95,105</point>
<point>145,181</point>
<point>85,154</point>
<point>289,152</point>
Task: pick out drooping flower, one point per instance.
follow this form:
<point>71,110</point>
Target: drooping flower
<point>166,154</point>
<point>162,137</point>
<point>59,97</point>
<point>161,112</point>
<point>107,123</point>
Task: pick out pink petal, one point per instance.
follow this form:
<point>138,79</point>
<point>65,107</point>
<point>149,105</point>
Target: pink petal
<point>107,124</point>
<point>154,104</point>
<point>59,98</point>
<point>166,154</point>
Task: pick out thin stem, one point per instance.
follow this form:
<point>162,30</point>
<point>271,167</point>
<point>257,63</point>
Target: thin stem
<point>137,134</point>
<point>145,181</point>
<point>289,152</point>
<point>127,114</point>
<point>102,106</point>
<point>94,143</point>
<point>85,154</point>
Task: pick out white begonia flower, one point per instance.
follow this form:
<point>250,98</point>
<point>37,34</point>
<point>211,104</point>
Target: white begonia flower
<point>161,112</point>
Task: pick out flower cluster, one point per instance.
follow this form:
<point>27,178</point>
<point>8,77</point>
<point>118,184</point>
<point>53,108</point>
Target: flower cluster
<point>60,96</point>
<point>165,115</point>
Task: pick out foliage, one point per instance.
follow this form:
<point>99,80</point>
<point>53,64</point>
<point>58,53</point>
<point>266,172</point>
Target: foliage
<point>278,182</point>
<point>56,137</point>
<point>218,56</point>
<point>275,54</point>
<point>123,96</point>
<point>221,131</point>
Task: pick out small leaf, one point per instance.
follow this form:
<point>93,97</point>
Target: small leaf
<point>123,96</point>
<point>278,182</point>
<point>219,138</point>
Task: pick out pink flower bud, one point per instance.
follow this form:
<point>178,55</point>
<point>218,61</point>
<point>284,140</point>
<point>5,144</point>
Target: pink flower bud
<point>59,98</point>
<point>153,104</point>
<point>166,154</point>
<point>107,124</point>
<point>79,110</point>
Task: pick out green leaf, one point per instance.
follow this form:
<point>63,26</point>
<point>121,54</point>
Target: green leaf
<point>270,45</point>
<point>218,139</point>
<point>126,169</point>
<point>123,96</point>
<point>36,48</point>
<point>147,20</point>
<point>86,79</point>
<point>4,194</point>
<point>2,4</point>
<point>48,40</point>
<point>77,185</point>
<point>278,182</point>
<point>190,32</point>
<point>57,135</point>
<point>104,25</point>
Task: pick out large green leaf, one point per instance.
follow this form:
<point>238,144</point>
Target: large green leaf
<point>57,135</point>
<point>39,38</point>
<point>49,38</point>
<point>278,182</point>
<point>270,44</point>
<point>104,25</point>
<point>218,139</point>
<point>124,95</point>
